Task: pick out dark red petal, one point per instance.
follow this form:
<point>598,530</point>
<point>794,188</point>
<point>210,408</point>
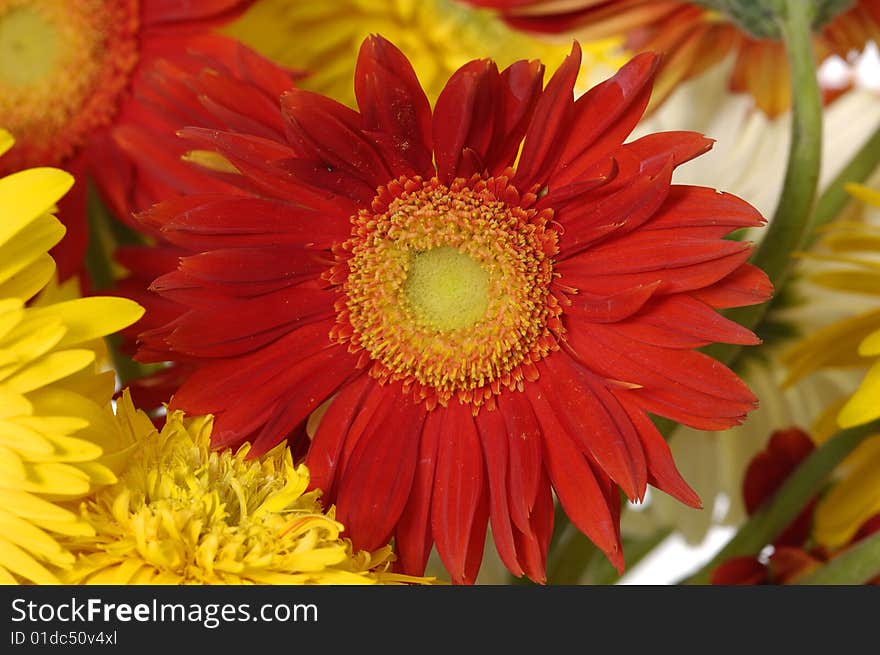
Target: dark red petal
<point>157,12</point>
<point>459,484</point>
<point>662,472</point>
<point>768,469</point>
<point>232,222</point>
<point>550,128</point>
<point>413,538</point>
<point>740,571</point>
<point>494,437</point>
<point>331,434</point>
<point>377,480</point>
<point>573,478</point>
<point>393,103</point>
<point>596,422</point>
<point>323,130</point>
<point>604,116</point>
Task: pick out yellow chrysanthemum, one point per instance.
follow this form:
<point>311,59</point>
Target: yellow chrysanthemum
<point>52,437</point>
<point>437,36</point>
<point>183,513</point>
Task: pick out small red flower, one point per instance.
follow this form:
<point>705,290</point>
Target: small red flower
<point>70,79</point>
<point>692,39</point>
<point>483,301</point>
<point>792,557</point>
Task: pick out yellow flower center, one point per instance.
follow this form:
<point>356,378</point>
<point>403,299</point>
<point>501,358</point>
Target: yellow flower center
<point>63,67</point>
<point>448,288</point>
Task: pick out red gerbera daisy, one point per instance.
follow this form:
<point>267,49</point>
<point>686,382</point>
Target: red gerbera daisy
<point>66,70</point>
<point>484,302</point>
<point>693,38</point>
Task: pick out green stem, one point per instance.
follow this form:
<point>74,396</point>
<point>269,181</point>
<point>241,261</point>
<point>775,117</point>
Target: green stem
<point>771,519</point>
<point>791,223</point>
<point>857,565</point>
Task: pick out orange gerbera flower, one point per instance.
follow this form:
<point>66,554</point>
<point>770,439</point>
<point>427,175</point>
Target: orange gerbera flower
<point>66,70</point>
<point>692,38</point>
<point>482,302</point>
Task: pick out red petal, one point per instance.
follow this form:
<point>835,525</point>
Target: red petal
<point>655,150</point>
<point>550,128</point>
<point>393,103</point>
<point>662,472</point>
<point>532,546</point>
<point>413,536</point>
<point>459,485</point>
<point>613,308</point>
<point>463,118</point>
<point>573,478</point>
<point>494,436</point>
<point>747,285</point>
<point>525,457</point>
<point>378,477</point>
<point>679,321</point>
<point>518,91</point>
<point>740,571</point>
<point>694,206</point>
<point>596,422</point>
<point>332,432</point>
<point>323,130</point>
<point>604,116</point>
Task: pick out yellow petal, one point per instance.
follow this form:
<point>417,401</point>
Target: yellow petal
<point>864,193</point>
<point>833,345</point>
<point>77,528</point>
<point>55,479</point>
<point>851,501</point>
<point>50,368</point>
<point>13,404</point>
<point>854,281</point>
<point>26,442</point>
<point>6,140</point>
<point>27,283</point>
<point>870,345</point>
<point>21,563</point>
<point>90,318</point>
<point>18,253</point>
<point>864,406</point>
<point>33,540</point>
<point>12,468</point>
<point>27,195</point>
<point>33,507</point>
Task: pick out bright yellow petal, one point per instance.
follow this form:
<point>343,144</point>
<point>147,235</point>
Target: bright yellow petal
<point>33,507</point>
<point>27,195</point>
<point>864,405</point>
<point>90,318</point>
<point>18,253</point>
<point>23,564</point>
<point>13,404</point>
<point>32,539</point>
<point>29,281</point>
<point>50,368</point>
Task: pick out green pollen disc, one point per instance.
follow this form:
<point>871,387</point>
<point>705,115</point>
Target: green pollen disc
<point>28,46</point>
<point>446,288</point>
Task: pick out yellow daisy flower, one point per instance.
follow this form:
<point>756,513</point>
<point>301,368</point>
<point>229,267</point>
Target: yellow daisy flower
<point>437,36</point>
<point>52,442</point>
<point>183,513</point>
<point>851,250</point>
